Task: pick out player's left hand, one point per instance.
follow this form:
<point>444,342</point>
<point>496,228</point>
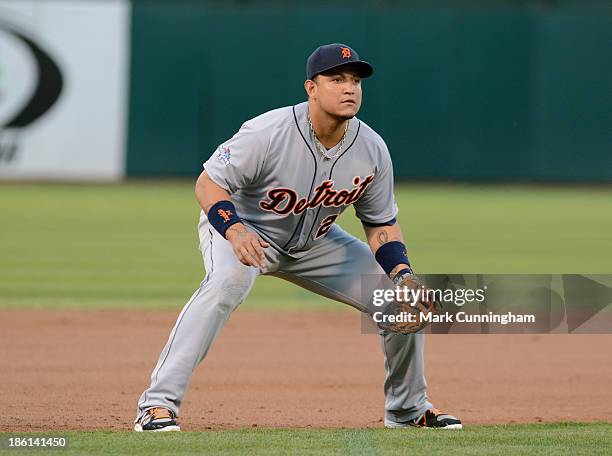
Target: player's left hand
<point>425,302</point>
<point>417,308</point>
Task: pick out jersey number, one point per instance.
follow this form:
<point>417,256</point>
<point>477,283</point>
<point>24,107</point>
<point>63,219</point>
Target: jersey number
<point>325,226</point>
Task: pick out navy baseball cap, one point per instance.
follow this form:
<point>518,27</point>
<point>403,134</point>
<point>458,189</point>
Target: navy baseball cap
<point>335,55</point>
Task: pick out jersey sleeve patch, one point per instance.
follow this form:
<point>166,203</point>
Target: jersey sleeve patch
<point>224,154</point>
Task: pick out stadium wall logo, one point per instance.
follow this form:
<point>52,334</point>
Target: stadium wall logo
<point>31,82</point>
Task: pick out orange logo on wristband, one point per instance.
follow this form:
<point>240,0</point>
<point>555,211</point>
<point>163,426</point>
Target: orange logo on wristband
<point>225,215</point>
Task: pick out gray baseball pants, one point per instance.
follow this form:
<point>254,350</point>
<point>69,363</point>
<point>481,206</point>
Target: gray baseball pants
<point>333,268</point>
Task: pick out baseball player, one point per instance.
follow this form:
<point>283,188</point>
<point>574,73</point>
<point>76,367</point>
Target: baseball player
<point>270,196</point>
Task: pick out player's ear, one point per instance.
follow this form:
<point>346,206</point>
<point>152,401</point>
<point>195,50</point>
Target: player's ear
<point>310,87</point>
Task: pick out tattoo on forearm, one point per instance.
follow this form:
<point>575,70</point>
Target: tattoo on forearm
<point>383,237</point>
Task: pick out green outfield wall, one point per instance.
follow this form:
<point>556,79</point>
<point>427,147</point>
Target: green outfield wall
<point>497,90</point>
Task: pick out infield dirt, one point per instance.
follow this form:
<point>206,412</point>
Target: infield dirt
<point>84,370</point>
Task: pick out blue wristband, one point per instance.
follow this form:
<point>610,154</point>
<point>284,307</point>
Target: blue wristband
<point>222,215</point>
<point>391,254</point>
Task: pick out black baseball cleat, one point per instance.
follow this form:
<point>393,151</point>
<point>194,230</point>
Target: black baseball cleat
<point>157,419</point>
<point>431,419</point>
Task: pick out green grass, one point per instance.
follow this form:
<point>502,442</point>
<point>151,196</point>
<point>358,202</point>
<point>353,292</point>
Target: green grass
<point>135,245</point>
<point>539,439</point>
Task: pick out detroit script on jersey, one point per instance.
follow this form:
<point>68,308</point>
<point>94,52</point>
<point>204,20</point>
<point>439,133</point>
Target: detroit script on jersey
<point>286,200</point>
<point>284,189</point>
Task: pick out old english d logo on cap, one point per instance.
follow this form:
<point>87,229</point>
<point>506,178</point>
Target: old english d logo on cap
<point>335,55</point>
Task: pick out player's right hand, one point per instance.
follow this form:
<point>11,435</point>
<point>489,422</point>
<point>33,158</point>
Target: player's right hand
<point>248,246</point>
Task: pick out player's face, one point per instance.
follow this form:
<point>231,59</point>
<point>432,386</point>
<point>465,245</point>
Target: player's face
<point>338,93</point>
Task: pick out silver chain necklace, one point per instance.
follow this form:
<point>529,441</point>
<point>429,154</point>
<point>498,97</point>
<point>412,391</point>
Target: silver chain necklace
<point>321,148</point>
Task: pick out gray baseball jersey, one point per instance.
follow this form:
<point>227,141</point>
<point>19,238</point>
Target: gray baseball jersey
<point>291,195</point>
<point>288,192</point>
